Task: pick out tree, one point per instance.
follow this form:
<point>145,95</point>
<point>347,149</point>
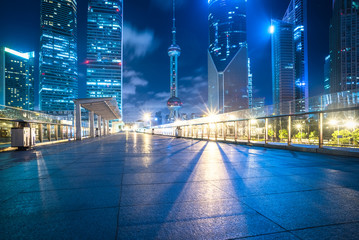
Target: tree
<point>270,133</point>
<point>300,135</point>
<point>283,133</point>
<point>313,136</point>
<point>345,136</point>
<point>355,136</point>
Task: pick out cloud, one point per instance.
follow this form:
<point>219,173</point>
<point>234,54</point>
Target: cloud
<point>192,79</point>
<point>137,43</point>
<point>163,95</point>
<point>133,80</point>
<point>192,92</point>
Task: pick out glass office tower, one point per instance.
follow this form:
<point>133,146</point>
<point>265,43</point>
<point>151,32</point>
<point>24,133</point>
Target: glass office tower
<point>104,49</point>
<point>344,46</point>
<point>228,56</point>
<point>17,78</point>
<point>58,56</point>
<point>327,75</point>
<point>283,69</point>
<point>297,15</point>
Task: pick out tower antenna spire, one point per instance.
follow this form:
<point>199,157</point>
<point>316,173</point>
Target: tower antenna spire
<point>174,22</point>
<point>174,104</point>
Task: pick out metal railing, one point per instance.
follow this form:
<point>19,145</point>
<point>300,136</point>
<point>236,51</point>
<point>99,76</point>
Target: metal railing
<point>328,120</point>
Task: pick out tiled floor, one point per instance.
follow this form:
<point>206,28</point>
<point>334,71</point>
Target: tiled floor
<point>139,186</point>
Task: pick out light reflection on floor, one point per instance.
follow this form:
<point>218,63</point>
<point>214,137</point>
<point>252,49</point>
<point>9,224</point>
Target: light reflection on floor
<point>135,186</point>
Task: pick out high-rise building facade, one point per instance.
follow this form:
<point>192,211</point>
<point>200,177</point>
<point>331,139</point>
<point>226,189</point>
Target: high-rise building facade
<point>104,49</point>
<point>327,75</point>
<point>297,16</point>
<point>344,46</point>
<point>250,85</point>
<point>283,69</point>
<point>17,78</point>
<point>58,56</point>
<point>228,56</point>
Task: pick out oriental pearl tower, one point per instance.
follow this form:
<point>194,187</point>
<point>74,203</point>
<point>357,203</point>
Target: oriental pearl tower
<point>174,104</point>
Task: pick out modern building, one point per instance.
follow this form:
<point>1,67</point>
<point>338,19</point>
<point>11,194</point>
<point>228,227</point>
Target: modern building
<point>258,102</point>
<point>104,49</point>
<point>58,56</point>
<point>283,72</point>
<point>174,104</point>
<point>344,46</point>
<point>228,56</point>
<point>17,78</point>
<point>250,85</point>
<point>297,16</point>
<point>327,75</point>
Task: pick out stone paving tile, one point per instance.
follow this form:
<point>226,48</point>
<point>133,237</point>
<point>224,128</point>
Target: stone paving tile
<point>208,228</point>
<point>348,231</point>
<point>307,209</point>
<point>170,193</point>
<point>86,224</point>
<point>134,186</point>
<point>60,201</point>
<point>273,236</point>
<point>181,211</point>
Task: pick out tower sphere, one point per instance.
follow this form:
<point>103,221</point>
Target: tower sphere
<point>174,50</point>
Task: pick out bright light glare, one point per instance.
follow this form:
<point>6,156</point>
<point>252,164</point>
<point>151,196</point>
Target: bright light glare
<point>212,126</point>
<point>253,121</point>
<point>333,122</point>
<point>147,116</point>
<point>350,124</point>
<point>271,29</point>
<point>299,126</point>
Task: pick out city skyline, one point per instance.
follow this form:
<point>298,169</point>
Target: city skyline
<point>144,82</point>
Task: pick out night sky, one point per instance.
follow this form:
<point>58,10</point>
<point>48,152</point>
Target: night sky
<point>147,36</point>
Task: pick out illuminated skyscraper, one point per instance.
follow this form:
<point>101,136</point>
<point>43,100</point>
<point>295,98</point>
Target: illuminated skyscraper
<point>228,56</point>
<point>17,78</point>
<point>104,49</point>
<point>344,46</point>
<point>327,75</point>
<point>283,72</point>
<point>174,104</point>
<point>58,56</point>
<point>296,16</point>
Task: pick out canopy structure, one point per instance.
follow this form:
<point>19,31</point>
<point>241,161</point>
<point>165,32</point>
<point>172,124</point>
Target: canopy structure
<point>105,108</point>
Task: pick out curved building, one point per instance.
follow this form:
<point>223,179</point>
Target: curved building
<point>228,55</point>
